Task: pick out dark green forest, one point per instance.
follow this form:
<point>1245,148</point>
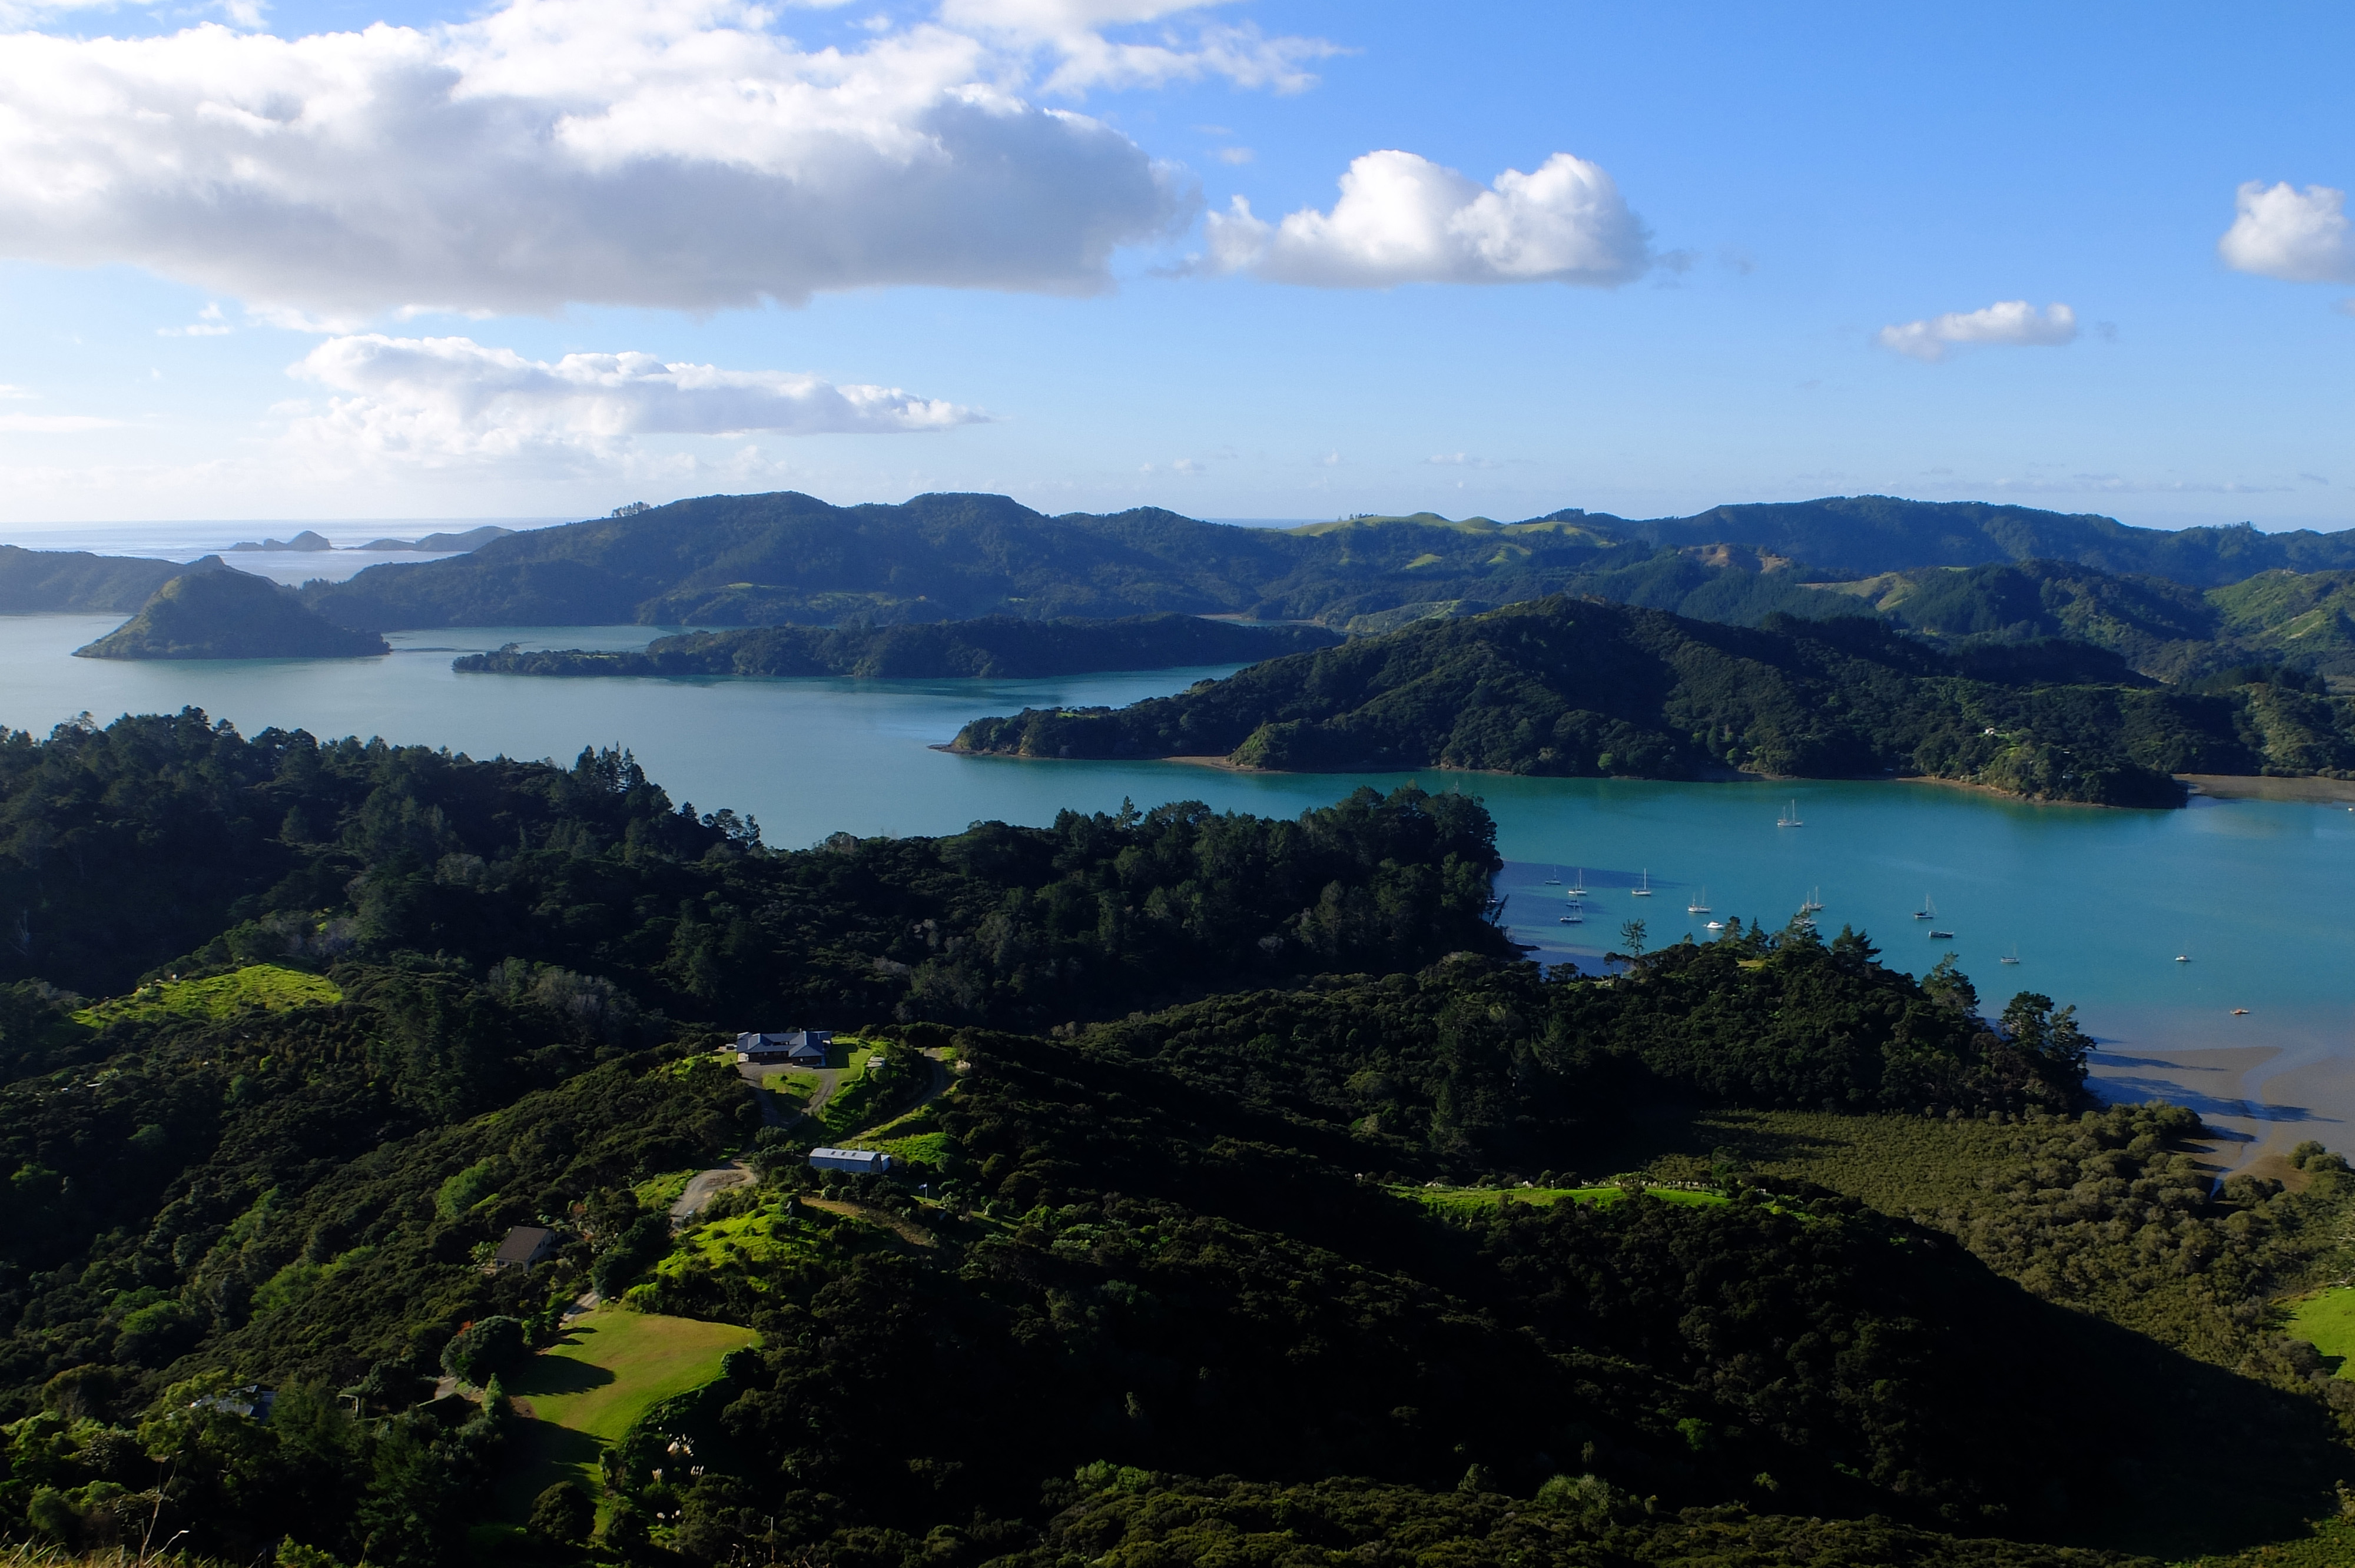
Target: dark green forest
<point>1001,646</point>
<point>1257,1200</point>
<point>1563,687</point>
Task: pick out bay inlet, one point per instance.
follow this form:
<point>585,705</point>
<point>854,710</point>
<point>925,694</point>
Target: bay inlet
<point>2097,904</point>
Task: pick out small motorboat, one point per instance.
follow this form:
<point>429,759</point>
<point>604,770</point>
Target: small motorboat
<point>2240,1013</point>
<point>1716,926</point>
<point>1942,935</point>
<point>2183,958</point>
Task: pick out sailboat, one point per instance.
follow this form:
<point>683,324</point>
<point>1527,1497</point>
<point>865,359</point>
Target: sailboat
<point>1698,905</point>
<point>1578,887</point>
<point>1815,903</point>
<point>1790,819</point>
<point>2010,957</point>
<point>1555,880</point>
<point>1645,890</point>
<point>1928,911</point>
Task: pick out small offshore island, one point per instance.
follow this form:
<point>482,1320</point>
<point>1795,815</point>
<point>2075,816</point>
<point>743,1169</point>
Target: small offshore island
<point>220,613</point>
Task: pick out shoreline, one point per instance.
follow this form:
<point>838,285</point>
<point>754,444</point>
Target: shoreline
<point>2306,791</point>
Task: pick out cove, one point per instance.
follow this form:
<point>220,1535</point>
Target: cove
<point>2098,903</point>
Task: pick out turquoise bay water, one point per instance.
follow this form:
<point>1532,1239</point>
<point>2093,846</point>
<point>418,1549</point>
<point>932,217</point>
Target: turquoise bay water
<point>2098,903</point>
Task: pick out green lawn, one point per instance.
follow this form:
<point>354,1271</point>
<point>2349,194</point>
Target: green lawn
<point>271,987</point>
<point>1460,1199</point>
<point>736,1243</point>
<point>794,1083</point>
<point>656,1194</point>
<point>2327,1321</point>
<point>912,1137</point>
<point>611,1368</point>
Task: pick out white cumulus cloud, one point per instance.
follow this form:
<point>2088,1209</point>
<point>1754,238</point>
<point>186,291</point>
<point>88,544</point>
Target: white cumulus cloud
<point>2297,236</point>
<point>655,153</point>
<point>2014,321</point>
<point>1402,219</point>
<point>446,399</point>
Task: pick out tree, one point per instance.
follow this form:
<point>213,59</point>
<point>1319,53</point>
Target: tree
<point>1631,936</point>
<point>563,1514</point>
<point>482,1348</point>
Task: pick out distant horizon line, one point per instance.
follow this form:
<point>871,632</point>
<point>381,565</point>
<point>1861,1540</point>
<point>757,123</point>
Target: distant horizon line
<point>263,526</point>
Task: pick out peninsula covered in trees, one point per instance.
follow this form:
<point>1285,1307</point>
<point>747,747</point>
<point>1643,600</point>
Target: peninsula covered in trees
<point>1248,1182</point>
<point>1003,646</point>
<point>1566,688</point>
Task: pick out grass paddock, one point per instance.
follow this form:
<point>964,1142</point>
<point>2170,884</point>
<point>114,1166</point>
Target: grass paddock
<point>611,1367</point>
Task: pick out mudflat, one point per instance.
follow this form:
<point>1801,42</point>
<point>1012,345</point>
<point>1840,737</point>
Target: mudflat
<point>2252,787</point>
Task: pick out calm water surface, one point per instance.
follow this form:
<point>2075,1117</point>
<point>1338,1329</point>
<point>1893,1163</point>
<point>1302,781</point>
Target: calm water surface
<point>2097,903</point>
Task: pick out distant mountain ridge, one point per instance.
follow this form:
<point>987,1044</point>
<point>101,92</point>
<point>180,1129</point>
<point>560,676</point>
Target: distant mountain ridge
<point>786,558</point>
<point>1861,534</point>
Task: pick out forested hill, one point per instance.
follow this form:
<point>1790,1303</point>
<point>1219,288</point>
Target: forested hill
<point>230,614</point>
<point>1001,646</point>
<point>1228,1147</point>
<point>1563,687</point>
<point>764,559</point>
<point>1863,535</point>
<point>2300,621</point>
<point>63,582</point>
<point>743,561</point>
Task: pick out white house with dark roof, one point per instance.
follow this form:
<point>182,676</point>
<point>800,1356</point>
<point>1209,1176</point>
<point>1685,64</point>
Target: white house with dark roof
<point>795,1048</point>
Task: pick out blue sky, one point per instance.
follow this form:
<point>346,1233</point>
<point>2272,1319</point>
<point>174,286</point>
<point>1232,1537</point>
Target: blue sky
<point>1961,252</point>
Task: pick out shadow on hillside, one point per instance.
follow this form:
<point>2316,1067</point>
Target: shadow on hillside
<point>2195,1458</point>
<point>559,1374</point>
<point>539,1454</point>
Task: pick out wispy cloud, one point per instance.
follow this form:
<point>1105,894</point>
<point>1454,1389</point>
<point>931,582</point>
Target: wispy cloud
<point>451,399</point>
<point>55,424</point>
<point>209,323</point>
<point>1401,219</point>
<point>2012,322</point>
